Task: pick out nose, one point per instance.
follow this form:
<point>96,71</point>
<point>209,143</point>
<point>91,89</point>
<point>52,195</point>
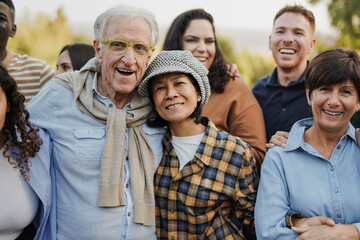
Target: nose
<point>288,37</point>
<point>171,93</point>
<point>333,99</point>
<point>129,57</point>
<point>201,46</point>
<point>60,70</point>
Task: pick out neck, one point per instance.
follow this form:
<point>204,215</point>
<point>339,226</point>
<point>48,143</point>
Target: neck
<point>323,141</point>
<point>3,53</point>
<point>119,99</point>
<point>8,55</point>
<point>186,128</point>
<point>288,75</point>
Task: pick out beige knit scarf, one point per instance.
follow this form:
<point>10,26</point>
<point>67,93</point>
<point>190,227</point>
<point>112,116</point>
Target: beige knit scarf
<point>141,158</point>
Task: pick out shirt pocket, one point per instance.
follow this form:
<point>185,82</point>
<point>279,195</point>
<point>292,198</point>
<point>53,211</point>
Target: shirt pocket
<point>89,143</point>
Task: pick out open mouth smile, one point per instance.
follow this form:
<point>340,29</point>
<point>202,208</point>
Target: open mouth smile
<point>125,71</point>
<point>332,113</point>
<point>174,105</point>
<point>287,51</point>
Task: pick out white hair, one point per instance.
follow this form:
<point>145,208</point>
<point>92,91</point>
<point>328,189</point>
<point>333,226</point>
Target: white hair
<point>126,10</point>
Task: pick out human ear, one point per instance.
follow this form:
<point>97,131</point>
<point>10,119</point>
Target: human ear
<point>13,30</point>
<point>96,44</point>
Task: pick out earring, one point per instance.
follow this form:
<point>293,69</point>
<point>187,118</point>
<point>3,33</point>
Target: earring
<point>199,99</point>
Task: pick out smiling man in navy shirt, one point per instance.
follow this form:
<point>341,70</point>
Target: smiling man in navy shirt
<point>281,95</point>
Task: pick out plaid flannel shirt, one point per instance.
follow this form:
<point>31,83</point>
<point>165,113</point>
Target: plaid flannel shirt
<point>188,202</point>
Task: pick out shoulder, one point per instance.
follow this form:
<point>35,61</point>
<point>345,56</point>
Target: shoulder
<point>25,59</point>
<point>261,83</point>
<point>237,87</point>
<point>227,143</point>
<point>51,94</point>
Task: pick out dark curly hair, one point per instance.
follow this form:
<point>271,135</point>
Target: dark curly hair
<point>218,72</point>
<point>17,130</point>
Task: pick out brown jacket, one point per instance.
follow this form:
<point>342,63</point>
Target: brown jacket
<point>237,112</point>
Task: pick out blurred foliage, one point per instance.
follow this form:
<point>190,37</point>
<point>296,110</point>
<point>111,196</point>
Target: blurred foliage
<point>252,67</point>
<point>345,17</point>
<point>44,37</point>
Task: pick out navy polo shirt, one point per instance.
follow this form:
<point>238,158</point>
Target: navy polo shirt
<point>281,106</point>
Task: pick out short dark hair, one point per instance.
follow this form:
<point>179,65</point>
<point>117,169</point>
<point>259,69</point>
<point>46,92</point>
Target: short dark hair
<point>157,121</point>
<point>296,8</point>
<point>218,72</point>
<point>80,54</point>
<point>333,67</point>
<point>9,3</point>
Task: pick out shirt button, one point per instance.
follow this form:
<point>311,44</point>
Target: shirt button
<point>283,109</point>
<point>336,190</point>
<point>129,214</point>
<point>338,147</point>
<point>127,185</point>
<point>127,158</point>
<point>111,105</point>
<point>338,215</point>
<point>332,169</point>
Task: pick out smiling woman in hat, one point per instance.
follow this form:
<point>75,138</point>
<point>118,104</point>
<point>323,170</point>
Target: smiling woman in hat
<point>202,166</point>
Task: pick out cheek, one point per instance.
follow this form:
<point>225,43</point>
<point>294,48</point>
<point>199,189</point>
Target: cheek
<point>157,102</point>
<point>188,47</point>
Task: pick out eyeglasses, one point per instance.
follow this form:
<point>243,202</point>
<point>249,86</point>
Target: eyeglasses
<point>120,47</point>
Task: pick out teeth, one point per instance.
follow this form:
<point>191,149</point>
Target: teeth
<point>174,106</point>
<point>201,59</point>
<point>124,70</point>
<point>290,51</point>
<point>331,113</point>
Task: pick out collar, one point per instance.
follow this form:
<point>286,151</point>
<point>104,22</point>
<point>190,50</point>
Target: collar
<point>272,81</point>
<point>104,100</point>
<point>296,136</point>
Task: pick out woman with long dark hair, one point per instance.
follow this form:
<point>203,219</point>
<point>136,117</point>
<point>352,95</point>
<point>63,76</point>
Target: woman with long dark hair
<point>232,106</point>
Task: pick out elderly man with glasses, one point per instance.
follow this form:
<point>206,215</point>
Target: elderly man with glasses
<point>102,152</point>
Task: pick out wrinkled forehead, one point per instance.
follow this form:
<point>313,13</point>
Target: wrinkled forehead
<point>128,28</point>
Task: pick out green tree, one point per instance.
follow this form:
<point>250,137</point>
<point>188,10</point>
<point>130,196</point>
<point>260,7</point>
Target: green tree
<point>43,37</point>
<point>345,17</point>
<point>252,67</point>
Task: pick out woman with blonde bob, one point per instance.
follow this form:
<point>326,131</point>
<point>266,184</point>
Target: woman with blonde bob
<point>309,188</point>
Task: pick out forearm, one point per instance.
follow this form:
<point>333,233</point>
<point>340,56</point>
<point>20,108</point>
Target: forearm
<point>347,232</point>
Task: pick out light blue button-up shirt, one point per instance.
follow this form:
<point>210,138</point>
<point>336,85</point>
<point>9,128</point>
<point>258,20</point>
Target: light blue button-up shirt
<point>77,141</point>
<point>299,179</point>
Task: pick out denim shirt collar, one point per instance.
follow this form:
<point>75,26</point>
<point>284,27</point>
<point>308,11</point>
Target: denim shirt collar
<point>296,136</point>
<point>106,101</point>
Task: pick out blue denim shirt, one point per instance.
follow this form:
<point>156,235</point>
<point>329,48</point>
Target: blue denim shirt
<point>40,181</point>
<point>299,179</point>
<point>77,142</point>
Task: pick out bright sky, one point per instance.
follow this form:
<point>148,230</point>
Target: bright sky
<point>247,14</point>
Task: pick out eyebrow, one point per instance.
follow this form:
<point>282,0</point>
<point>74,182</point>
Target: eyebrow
<point>191,36</point>
<point>157,81</point>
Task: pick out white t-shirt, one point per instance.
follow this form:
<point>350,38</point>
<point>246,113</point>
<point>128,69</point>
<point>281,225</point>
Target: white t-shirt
<point>18,202</point>
<point>185,147</point>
